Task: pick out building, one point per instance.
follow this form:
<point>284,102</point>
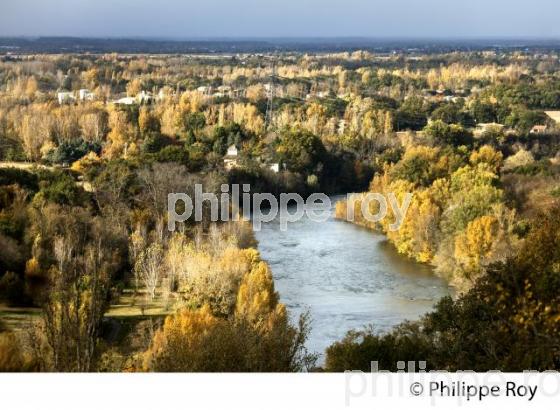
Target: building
<point>205,90</point>
<point>341,128</point>
<point>539,129</point>
<point>232,151</point>
<point>126,101</point>
<point>66,97</point>
<point>86,95</point>
<point>230,160</point>
<point>224,89</point>
<point>554,115</point>
<point>144,97</point>
<point>274,167</point>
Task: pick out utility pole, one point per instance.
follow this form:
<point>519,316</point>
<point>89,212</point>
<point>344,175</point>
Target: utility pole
<point>270,99</point>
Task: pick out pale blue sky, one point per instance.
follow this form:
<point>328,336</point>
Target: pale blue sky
<point>281,18</point>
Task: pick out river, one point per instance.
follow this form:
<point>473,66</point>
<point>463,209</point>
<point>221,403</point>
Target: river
<point>346,276</point>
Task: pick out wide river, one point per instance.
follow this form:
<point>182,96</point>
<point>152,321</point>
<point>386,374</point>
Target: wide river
<point>346,276</point>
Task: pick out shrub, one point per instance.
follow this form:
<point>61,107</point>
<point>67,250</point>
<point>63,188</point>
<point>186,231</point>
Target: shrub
<point>71,151</point>
<point>521,158</point>
<point>11,288</point>
<point>11,357</point>
<point>25,179</point>
<point>173,154</point>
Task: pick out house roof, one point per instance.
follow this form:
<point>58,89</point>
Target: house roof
<point>555,115</point>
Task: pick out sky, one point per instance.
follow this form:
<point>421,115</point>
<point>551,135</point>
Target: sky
<point>184,19</point>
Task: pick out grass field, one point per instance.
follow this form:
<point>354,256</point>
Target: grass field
<point>19,319</point>
<point>128,306</point>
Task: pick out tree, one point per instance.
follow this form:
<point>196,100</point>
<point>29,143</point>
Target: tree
<point>94,126</point>
<point>148,122</point>
<point>301,150</point>
<point>412,114</point>
<point>257,336</point>
<point>75,305</point>
<point>79,253</point>
<point>442,133</point>
<point>148,268</point>
<point>487,155</point>
<point>476,243</point>
<point>193,122</point>
<point>134,87</point>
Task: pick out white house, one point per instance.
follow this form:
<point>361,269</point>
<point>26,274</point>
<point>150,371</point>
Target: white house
<point>230,160</point>
<point>144,97</point>
<point>341,127</point>
<point>66,97</point>
<point>274,167</point>
<point>126,101</point>
<point>204,90</point>
<point>232,151</point>
<point>86,95</point>
<point>224,89</point>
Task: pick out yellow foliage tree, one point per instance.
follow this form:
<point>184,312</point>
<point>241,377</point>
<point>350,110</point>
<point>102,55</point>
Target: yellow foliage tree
<point>256,297</point>
<point>488,155</point>
<point>476,243</point>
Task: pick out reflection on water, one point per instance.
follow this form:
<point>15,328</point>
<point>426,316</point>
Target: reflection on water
<point>347,277</point>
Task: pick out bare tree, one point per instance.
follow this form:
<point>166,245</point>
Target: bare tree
<point>149,267</point>
<point>137,245</point>
<point>76,304</point>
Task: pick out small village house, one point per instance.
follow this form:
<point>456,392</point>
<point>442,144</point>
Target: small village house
<point>231,158</point>
<point>66,97</point>
<point>86,95</point>
<point>539,129</point>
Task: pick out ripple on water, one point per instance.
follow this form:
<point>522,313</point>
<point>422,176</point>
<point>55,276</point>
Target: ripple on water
<point>289,244</point>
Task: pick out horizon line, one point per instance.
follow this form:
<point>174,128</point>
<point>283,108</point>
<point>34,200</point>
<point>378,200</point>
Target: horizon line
<point>292,38</point>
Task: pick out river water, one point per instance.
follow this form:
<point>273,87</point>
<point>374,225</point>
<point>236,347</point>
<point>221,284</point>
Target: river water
<point>346,276</point>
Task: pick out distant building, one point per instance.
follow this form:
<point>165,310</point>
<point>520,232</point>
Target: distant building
<point>238,93</point>
<point>205,90</point>
<point>230,160</point>
<point>126,101</point>
<point>274,167</point>
<point>86,95</point>
<point>65,97</point>
<point>224,89</point>
<point>539,129</point>
<point>341,127</point>
<point>232,151</point>
<point>144,97</point>
<point>554,115</point>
